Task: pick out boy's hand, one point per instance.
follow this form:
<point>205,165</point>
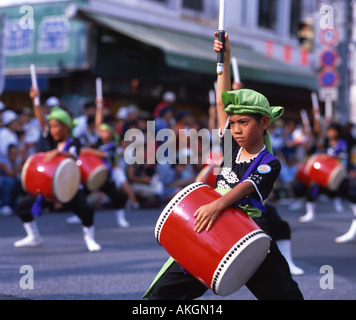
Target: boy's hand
<point>49,155</point>
<point>205,217</point>
<point>218,45</point>
<point>34,93</point>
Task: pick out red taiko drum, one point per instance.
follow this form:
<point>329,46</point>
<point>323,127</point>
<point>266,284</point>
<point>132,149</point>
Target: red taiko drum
<point>325,171</point>
<point>214,157</point>
<point>94,172</point>
<point>224,258</point>
<point>56,180</point>
<point>302,177</point>
<point>208,175</point>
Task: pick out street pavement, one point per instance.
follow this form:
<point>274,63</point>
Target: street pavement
<point>63,269</point>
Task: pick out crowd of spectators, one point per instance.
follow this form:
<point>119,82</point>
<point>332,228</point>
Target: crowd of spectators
<point>153,182</point>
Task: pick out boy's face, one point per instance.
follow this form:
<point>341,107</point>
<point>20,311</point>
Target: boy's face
<point>246,130</point>
<point>332,134</point>
<point>58,131</point>
<point>105,135</point>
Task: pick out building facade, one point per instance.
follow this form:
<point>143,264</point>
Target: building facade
<point>142,48</point>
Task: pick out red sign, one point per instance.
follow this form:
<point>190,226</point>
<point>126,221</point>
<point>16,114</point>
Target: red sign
<point>329,37</point>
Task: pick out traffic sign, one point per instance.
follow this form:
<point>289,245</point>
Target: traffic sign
<point>330,93</point>
<point>329,77</point>
<point>329,58</point>
<point>329,37</point>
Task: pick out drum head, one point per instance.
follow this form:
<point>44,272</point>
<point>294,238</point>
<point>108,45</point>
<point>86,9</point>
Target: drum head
<point>336,178</point>
<point>66,180</point>
<point>97,178</point>
<point>240,263</point>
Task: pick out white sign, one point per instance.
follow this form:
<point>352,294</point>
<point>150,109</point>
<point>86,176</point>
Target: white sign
<point>329,93</point>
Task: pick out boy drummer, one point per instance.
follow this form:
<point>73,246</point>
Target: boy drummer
<point>244,115</point>
<point>56,140</point>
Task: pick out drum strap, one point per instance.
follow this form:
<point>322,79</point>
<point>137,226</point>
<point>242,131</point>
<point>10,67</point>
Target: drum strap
<point>251,205</point>
<point>36,208</point>
<point>68,143</point>
<point>105,148</point>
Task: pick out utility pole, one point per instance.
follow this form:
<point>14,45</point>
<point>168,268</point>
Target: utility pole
<point>2,52</point>
<point>352,64</point>
<point>344,19</point>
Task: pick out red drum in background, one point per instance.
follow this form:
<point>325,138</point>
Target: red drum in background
<point>224,258</point>
<point>56,180</point>
<point>214,158</point>
<point>94,172</point>
<point>302,177</point>
<point>208,175</point>
<point>325,171</point>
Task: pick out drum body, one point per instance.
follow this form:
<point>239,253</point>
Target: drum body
<point>214,157</point>
<point>208,175</point>
<point>302,176</point>
<point>224,258</point>
<point>94,173</point>
<point>325,171</point>
<point>56,180</point>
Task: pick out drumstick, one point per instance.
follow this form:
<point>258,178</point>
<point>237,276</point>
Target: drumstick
<point>305,119</point>
<point>316,105</point>
<point>212,97</point>
<point>99,91</point>
<point>221,37</point>
<point>235,69</point>
<point>34,83</point>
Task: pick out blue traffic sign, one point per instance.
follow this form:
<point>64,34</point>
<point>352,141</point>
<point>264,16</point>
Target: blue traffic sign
<point>329,77</point>
<point>329,58</point>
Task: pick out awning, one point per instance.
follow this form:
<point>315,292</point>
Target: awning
<point>194,53</point>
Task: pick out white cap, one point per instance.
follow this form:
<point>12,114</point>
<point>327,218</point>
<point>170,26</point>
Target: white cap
<point>52,102</point>
<point>122,113</point>
<point>169,96</point>
<point>132,108</point>
<point>2,106</point>
<point>8,116</point>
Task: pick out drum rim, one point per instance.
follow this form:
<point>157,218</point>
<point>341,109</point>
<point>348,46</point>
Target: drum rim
<point>171,204</point>
<point>24,172</point>
<point>231,256</point>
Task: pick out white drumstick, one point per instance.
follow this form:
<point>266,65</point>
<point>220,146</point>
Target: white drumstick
<point>221,37</point>
<point>235,69</point>
<point>315,101</point>
<point>316,105</point>
<point>99,91</point>
<point>305,118</point>
<point>34,82</point>
<point>212,97</point>
<point>99,88</point>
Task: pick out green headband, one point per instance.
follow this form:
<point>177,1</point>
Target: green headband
<point>249,101</point>
<point>246,101</point>
<point>105,126</point>
<point>61,115</point>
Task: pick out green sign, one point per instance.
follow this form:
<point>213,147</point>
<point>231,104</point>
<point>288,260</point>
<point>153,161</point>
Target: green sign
<point>43,35</point>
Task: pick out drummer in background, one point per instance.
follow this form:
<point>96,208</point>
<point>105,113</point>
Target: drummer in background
<point>56,140</point>
<point>106,150</point>
<point>245,114</point>
<point>337,148</point>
